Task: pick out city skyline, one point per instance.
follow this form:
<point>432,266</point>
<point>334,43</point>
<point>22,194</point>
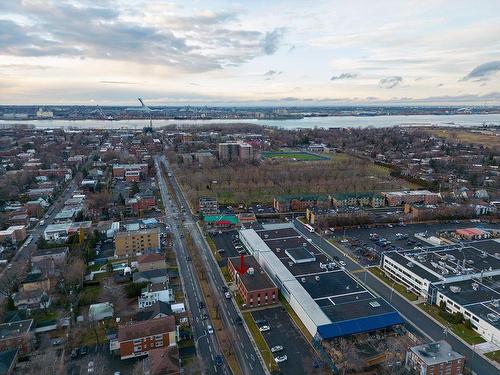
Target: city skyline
<point>219,52</point>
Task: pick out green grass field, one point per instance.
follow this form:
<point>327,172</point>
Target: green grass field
<point>302,156</point>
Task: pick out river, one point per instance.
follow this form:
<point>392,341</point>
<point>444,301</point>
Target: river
<point>307,122</point>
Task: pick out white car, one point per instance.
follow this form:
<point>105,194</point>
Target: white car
<point>280,359</point>
<point>264,328</point>
<point>227,295</point>
<point>342,263</point>
<point>276,348</point>
<point>210,330</point>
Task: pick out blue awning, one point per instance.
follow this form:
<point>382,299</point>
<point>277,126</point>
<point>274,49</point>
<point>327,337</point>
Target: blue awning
<point>360,325</point>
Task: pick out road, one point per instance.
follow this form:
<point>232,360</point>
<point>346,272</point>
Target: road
<point>410,312</point>
<point>249,360</point>
<point>206,344</point>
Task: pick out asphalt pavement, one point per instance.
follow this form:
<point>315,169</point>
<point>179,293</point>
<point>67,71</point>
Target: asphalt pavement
<point>249,360</point>
<point>207,346</point>
<point>411,313</point>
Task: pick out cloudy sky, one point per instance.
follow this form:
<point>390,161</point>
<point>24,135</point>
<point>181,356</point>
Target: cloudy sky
<point>250,52</point>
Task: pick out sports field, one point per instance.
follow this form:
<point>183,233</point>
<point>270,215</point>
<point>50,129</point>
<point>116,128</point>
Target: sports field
<point>304,156</point>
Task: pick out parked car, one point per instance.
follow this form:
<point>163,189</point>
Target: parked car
<point>210,330</point>
<point>276,348</point>
<point>227,295</point>
<point>218,360</point>
<point>261,321</point>
<point>280,359</point>
<point>264,328</point>
<point>238,320</point>
<point>84,350</point>
<point>56,342</point>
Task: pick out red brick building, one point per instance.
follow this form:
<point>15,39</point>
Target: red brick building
<point>398,198</point>
<point>138,338</point>
<point>435,358</point>
<point>254,286</point>
<point>140,202</point>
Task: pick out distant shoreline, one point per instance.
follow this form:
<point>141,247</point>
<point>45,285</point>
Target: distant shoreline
<point>462,120</point>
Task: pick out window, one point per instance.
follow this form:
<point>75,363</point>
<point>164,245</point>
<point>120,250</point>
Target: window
<point>137,348</point>
<point>158,344</point>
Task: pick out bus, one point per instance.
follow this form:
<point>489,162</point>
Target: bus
<point>309,228</point>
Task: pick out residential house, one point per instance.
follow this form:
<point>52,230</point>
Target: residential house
<point>153,261</point>
<point>162,361</point>
<point>158,276</point>
<point>155,293</point>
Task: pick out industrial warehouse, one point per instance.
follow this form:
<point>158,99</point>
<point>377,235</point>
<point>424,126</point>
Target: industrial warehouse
<point>328,300</point>
<point>463,278</point>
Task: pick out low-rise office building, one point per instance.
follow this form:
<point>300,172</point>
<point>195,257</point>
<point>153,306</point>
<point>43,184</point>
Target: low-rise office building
<point>254,286</point>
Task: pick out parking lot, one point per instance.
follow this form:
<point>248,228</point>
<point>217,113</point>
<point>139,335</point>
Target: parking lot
<point>367,243</point>
<point>301,359</point>
<point>226,241</point>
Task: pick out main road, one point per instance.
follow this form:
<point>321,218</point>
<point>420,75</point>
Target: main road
<point>207,346</point>
<point>410,312</point>
<point>249,360</point>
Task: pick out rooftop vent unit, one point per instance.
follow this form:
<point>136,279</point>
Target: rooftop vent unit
<point>455,289</point>
<point>290,264</point>
<point>374,304</point>
<point>475,286</point>
<point>316,278</point>
<point>492,317</point>
<point>484,254</point>
<point>251,271</point>
<point>409,264</point>
<point>496,303</point>
<point>303,279</point>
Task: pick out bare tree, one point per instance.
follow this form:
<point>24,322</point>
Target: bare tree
<point>46,362</point>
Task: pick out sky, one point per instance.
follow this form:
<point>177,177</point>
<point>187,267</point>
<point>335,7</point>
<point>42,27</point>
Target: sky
<point>250,52</point>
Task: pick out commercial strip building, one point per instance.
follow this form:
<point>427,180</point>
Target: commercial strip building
<point>435,358</point>
<point>327,299</point>
<point>463,278</point>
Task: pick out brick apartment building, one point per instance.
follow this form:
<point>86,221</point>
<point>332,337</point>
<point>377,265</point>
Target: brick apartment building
<point>254,286</point>
<point>141,203</point>
<point>398,198</point>
<point>435,358</point>
<point>138,338</point>
<point>120,170</point>
<point>13,233</point>
<point>137,241</point>
<point>287,203</point>
<point>17,335</point>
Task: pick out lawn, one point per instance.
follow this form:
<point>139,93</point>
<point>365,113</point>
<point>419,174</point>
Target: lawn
<point>468,335</point>
<point>467,136</point>
<point>89,295</point>
<point>399,287</point>
<point>260,342</point>
<point>494,356</point>
<point>302,156</point>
